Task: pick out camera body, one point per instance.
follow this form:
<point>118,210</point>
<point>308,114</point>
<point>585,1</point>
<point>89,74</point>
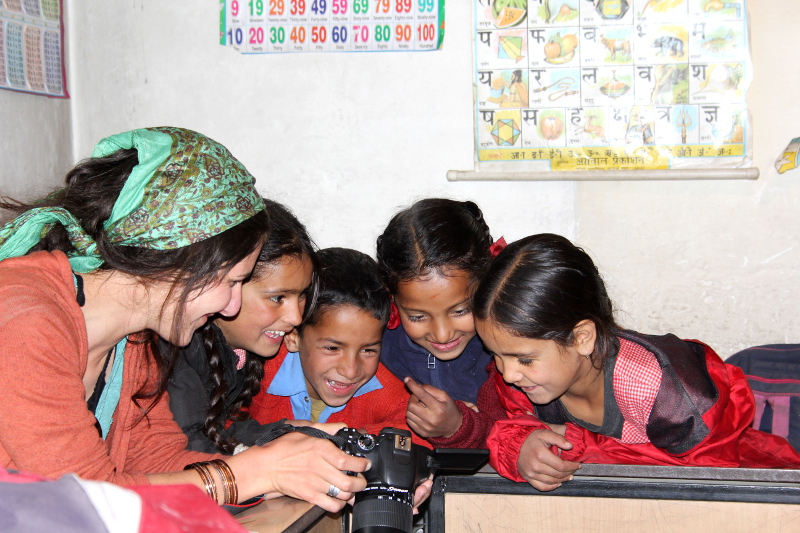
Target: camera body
<point>398,467</point>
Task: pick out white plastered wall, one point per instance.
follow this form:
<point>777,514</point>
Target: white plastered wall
<point>35,140</point>
<point>346,139</point>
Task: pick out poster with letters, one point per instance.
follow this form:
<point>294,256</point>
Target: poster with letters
<point>611,84</point>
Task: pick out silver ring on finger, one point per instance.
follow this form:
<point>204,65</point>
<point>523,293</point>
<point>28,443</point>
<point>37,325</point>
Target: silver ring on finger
<point>333,491</point>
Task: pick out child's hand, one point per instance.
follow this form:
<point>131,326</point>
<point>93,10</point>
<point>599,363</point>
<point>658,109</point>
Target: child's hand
<point>422,493</point>
<point>472,406</point>
<point>542,468</point>
<point>431,411</point>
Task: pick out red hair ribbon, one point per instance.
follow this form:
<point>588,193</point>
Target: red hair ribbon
<point>394,317</point>
<point>497,247</point>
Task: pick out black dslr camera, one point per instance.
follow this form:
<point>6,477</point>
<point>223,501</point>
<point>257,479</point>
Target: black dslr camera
<point>398,468</point>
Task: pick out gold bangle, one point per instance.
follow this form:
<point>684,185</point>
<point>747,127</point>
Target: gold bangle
<point>229,480</point>
<point>205,476</point>
<point>226,484</point>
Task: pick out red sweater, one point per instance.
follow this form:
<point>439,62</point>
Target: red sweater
<point>370,412</point>
<point>45,425</point>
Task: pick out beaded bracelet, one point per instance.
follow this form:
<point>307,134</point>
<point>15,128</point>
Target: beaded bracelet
<point>208,481</point>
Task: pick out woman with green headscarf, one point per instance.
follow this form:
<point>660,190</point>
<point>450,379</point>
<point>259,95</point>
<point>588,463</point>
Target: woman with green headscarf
<point>152,236</point>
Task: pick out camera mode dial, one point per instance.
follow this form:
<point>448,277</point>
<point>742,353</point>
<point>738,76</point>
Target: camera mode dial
<point>366,442</point>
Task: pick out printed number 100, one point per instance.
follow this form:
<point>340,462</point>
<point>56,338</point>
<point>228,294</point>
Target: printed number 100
<point>426,32</point>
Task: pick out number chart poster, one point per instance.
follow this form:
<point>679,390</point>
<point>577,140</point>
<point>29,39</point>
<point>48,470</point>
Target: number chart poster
<point>31,47</point>
<point>611,84</point>
<point>284,26</point>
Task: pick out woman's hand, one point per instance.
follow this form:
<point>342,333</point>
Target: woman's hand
<point>539,465</point>
<point>302,467</point>
<point>431,411</point>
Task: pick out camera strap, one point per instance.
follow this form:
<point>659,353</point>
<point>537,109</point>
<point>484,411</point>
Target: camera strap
<point>282,429</point>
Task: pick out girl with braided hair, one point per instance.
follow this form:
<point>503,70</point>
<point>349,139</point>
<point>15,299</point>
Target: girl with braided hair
<point>220,371</point>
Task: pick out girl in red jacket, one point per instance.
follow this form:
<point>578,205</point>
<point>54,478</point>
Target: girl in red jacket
<point>578,388</point>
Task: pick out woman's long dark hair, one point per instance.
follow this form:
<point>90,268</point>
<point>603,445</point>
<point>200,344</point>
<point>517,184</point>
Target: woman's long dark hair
<point>92,188</point>
<point>434,235</point>
<point>287,238</point>
<point>541,287</point>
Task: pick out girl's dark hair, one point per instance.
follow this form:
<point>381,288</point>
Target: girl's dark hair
<point>348,277</point>
<point>434,235</point>
<point>287,238</point>
<point>92,188</point>
<point>540,287</point>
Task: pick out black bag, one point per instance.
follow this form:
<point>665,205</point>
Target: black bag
<point>773,372</point>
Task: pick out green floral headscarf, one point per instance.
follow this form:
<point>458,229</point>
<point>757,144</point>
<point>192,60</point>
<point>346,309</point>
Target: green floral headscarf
<point>186,188</point>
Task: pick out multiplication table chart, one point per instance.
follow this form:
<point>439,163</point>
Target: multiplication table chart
<point>286,26</point>
<point>31,47</point>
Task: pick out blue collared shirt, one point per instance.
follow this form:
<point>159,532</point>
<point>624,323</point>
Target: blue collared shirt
<point>290,381</point>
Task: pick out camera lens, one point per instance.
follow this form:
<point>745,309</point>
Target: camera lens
<point>382,512</point>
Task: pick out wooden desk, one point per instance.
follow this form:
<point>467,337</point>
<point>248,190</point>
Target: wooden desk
<point>622,499</point>
<point>287,515</point>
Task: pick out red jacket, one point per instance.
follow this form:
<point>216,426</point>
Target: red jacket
<point>691,429</point>
<point>370,412</point>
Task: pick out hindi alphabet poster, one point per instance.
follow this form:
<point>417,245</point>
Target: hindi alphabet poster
<point>32,47</point>
<point>611,84</point>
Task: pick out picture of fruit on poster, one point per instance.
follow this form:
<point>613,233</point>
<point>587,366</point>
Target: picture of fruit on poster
<point>611,84</point>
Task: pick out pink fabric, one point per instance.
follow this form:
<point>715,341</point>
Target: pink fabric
<point>637,377</point>
<point>182,508</point>
<point>242,355</point>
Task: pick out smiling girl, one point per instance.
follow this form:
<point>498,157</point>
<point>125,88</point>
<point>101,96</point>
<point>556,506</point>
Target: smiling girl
<point>433,255</point>
<point>220,371</point>
<point>578,388</point>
